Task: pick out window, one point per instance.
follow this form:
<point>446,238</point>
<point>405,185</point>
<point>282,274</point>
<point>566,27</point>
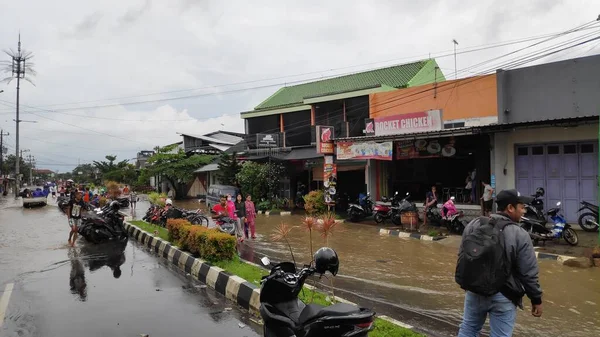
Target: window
<point>553,149</point>
<point>522,151</point>
<point>570,149</point>
<point>586,148</point>
<point>537,150</point>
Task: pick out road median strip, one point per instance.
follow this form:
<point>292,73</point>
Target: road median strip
<point>239,281</point>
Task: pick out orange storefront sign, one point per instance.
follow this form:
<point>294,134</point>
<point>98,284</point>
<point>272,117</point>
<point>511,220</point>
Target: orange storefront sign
<point>472,97</point>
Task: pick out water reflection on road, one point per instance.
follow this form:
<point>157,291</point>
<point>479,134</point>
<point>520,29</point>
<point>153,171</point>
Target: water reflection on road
<point>419,276</point>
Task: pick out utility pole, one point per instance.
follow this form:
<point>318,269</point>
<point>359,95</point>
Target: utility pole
<point>21,158</point>
<point>2,134</point>
<point>20,65</point>
<point>31,160</point>
<point>455,70</point>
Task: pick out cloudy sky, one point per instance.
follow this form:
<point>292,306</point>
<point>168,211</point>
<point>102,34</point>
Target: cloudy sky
<point>116,77</point>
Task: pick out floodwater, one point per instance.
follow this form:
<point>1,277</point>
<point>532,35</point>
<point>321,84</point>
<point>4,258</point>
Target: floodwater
<point>99,290</point>
<point>415,279</point>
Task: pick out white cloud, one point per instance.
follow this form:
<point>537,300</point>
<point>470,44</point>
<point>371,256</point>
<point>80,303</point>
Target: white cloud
<point>86,51</point>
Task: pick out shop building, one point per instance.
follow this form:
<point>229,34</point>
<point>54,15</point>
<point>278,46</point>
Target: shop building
<point>547,132</point>
<point>427,135</point>
<point>292,113</point>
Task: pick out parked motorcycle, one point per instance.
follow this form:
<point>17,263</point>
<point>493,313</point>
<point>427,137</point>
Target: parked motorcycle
<point>358,212</point>
<point>434,215</point>
<point>285,315</point>
<point>535,210</point>
<point>455,222</point>
<point>588,221</point>
<point>382,210</point>
<point>104,226</point>
<point>405,205</point>
<point>539,232</point>
<point>123,202</point>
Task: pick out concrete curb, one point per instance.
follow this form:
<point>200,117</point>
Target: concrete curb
<point>417,236</point>
<point>234,288</point>
<point>558,258</point>
<point>282,213</point>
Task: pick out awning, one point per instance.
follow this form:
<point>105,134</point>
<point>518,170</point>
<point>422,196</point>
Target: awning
<point>303,153</point>
<point>222,148</point>
<point>208,168</point>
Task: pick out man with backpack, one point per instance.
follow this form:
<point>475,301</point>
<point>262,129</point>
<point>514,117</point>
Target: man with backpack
<point>497,267</point>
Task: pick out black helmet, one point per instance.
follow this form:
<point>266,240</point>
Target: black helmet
<point>326,259</point>
<point>540,191</point>
<point>114,205</point>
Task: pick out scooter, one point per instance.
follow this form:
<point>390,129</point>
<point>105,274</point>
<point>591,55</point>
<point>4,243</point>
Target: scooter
<point>357,212</point>
<point>225,224</point>
<point>284,315</point>
<point>105,226</point>
<point>405,205</point>
<point>535,210</point>
<point>588,221</point>
<point>454,223</point>
<point>382,210</point>
<point>539,232</point>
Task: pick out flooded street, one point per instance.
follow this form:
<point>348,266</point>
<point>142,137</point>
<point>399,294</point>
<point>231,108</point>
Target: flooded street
<point>414,280</point>
<point>102,290</point>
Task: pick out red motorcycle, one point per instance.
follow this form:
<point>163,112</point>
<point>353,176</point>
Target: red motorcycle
<point>382,210</point>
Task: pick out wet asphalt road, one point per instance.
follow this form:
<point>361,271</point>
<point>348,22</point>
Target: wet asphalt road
<point>98,290</point>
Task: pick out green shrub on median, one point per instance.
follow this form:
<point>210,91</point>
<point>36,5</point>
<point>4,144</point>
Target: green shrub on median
<point>209,244</point>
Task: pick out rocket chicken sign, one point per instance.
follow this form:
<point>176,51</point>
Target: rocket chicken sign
<point>408,123</point>
<point>324,139</point>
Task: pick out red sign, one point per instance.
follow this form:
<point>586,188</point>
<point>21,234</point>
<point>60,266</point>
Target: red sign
<point>324,139</point>
<point>409,123</point>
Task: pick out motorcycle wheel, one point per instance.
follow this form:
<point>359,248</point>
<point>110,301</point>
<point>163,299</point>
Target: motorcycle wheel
<point>583,223</point>
<point>353,216</point>
<point>396,220</point>
<point>570,236</point>
<point>378,218</point>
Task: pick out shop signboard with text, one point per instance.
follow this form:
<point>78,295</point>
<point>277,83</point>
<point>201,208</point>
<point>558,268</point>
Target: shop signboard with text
<point>426,148</point>
<point>364,150</point>
<point>324,139</point>
<point>330,180</point>
<point>409,123</point>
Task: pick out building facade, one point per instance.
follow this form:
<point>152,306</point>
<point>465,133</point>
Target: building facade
<point>547,132</point>
<point>291,114</point>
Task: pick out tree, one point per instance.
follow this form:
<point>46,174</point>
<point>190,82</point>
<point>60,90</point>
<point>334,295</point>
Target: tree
<point>177,168</point>
<point>24,167</point>
<point>88,173</point>
<point>253,180</point>
<point>106,167</point>
<point>229,167</point>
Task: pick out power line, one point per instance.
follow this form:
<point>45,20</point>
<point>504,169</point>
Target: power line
<point>440,54</point>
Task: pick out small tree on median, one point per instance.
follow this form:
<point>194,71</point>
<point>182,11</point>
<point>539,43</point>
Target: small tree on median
<point>229,167</point>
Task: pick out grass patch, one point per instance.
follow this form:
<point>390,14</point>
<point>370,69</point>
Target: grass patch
<point>387,329</point>
<point>150,228</point>
<point>275,210</point>
<point>253,274</point>
<point>246,271</point>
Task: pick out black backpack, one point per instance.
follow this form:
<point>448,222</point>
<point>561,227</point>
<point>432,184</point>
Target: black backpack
<point>483,266</point>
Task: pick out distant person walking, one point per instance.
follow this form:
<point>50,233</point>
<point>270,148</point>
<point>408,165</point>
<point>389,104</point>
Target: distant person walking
<point>53,191</point>
<point>250,217</point>
<point>133,198</point>
<point>497,266</point>
<point>74,210</point>
<point>488,192</point>
<point>240,211</point>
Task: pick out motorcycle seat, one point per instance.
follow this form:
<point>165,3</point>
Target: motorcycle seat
<point>383,203</point>
<point>313,311</point>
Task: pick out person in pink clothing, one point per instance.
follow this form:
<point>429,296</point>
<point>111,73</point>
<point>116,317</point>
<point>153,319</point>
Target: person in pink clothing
<point>231,207</point>
<point>449,208</point>
<point>250,216</point>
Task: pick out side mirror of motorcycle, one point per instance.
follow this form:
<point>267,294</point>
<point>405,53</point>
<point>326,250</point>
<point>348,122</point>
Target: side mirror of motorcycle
<point>558,203</point>
<point>265,261</point>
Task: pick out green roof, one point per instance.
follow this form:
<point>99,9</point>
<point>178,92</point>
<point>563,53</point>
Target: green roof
<point>398,76</point>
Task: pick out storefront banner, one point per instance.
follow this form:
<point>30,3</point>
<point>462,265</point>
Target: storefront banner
<point>324,139</point>
<point>426,148</point>
<point>365,150</point>
<point>409,123</point>
<point>330,182</point>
